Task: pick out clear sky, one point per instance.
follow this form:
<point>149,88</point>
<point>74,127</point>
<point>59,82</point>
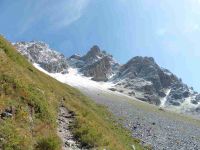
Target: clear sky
<point>168,30</point>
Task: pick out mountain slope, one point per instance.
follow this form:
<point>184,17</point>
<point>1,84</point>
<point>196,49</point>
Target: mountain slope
<point>29,104</point>
<point>159,127</point>
<point>140,77</point>
<point>154,84</point>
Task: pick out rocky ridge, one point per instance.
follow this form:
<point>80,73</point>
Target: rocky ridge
<point>145,79</point>
<point>40,53</point>
<point>96,64</point>
<point>140,77</point>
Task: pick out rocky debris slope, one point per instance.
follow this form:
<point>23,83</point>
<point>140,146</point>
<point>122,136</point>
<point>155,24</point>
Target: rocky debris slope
<point>161,129</point>
<point>65,118</point>
<point>40,53</point>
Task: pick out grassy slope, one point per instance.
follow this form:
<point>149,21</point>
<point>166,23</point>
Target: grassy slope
<point>36,98</point>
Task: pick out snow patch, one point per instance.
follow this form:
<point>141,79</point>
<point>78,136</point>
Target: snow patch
<point>163,100</point>
<point>74,78</point>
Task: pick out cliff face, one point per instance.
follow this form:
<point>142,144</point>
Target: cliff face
<point>100,70</point>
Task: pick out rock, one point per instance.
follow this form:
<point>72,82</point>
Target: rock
<point>6,115</point>
<point>96,64</point>
<point>40,53</point>
<point>100,70</point>
<point>112,89</point>
<point>175,103</point>
<point>93,55</point>
<point>152,99</point>
<point>197,98</point>
<point>8,112</point>
<point>197,109</point>
<point>177,96</point>
<point>194,102</point>
<point>161,109</point>
<point>144,75</point>
<point>161,94</point>
<point>75,56</point>
<point>186,94</point>
<point>131,93</point>
<point>133,147</point>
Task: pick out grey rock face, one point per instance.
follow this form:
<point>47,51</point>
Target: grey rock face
<point>96,64</point>
<point>179,92</point>
<point>93,55</point>
<point>144,76</point>
<point>100,70</point>
<point>40,53</point>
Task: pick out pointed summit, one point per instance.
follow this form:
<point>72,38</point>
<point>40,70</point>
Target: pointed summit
<point>93,55</point>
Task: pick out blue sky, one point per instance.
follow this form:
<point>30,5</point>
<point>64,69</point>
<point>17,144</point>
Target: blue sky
<point>168,30</point>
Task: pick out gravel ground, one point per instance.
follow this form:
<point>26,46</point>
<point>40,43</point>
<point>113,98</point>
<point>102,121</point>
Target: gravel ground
<point>64,120</point>
<point>162,129</point>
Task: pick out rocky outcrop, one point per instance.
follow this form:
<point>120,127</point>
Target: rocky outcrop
<point>149,81</point>
<point>96,64</point>
<point>93,55</point>
<point>40,53</point>
<point>100,70</point>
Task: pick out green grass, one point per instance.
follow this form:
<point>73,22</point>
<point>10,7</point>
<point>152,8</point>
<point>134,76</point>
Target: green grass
<point>36,98</point>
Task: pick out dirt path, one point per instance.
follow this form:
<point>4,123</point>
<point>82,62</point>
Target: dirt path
<point>65,118</point>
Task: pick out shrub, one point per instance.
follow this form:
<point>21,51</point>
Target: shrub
<point>48,143</point>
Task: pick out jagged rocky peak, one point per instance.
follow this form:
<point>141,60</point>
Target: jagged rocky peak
<point>40,53</point>
<point>99,64</point>
<point>96,63</point>
<point>137,66</point>
<point>93,55</point>
<point>149,82</point>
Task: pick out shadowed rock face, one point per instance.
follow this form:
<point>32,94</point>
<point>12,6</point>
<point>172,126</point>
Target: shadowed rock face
<point>40,53</point>
<point>100,70</point>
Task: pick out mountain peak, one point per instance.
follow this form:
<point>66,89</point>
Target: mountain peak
<point>93,54</point>
<point>140,59</point>
<point>40,53</point>
<point>95,50</point>
<point>140,77</point>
